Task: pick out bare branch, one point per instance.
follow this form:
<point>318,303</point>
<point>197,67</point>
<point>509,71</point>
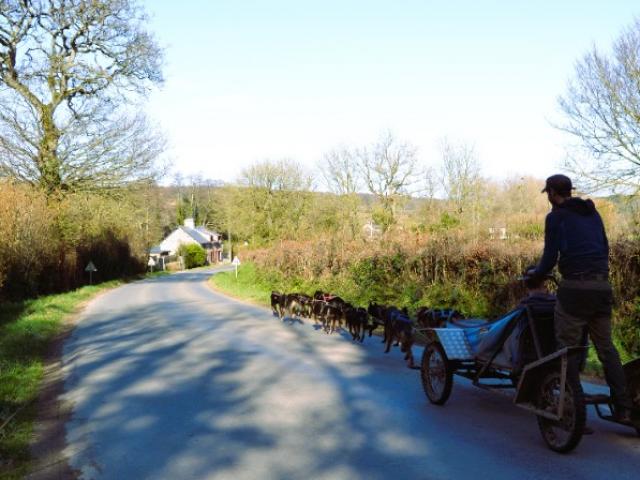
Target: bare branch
<point>75,66</point>
<point>602,111</point>
<point>340,170</point>
<point>390,170</point>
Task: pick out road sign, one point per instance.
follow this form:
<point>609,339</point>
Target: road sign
<point>151,262</point>
<point>235,263</point>
<point>90,268</point>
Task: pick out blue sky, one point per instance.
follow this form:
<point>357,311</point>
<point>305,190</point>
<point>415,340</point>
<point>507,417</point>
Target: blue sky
<point>249,80</point>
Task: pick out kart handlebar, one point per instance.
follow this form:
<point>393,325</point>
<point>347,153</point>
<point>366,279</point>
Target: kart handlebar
<point>548,276</point>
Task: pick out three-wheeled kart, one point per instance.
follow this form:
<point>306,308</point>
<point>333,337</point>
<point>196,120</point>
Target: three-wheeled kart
<point>518,351</point>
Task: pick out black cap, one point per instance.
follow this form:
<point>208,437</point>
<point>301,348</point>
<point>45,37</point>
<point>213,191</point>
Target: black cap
<point>559,183</point>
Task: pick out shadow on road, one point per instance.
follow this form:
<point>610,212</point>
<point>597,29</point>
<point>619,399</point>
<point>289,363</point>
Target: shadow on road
<point>205,387</point>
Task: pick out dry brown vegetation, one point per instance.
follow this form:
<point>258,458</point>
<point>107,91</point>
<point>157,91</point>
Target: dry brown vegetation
<point>46,243</point>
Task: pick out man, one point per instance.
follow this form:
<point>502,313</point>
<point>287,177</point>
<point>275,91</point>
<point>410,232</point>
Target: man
<point>574,232</point>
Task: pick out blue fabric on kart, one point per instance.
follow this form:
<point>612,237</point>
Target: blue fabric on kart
<point>484,339</point>
<point>469,322</point>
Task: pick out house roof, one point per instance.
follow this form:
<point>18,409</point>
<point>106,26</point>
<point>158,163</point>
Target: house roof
<point>196,234</point>
<point>206,231</point>
<point>155,250</point>
<point>200,234</point>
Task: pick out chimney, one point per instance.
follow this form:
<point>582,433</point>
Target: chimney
<point>189,223</point>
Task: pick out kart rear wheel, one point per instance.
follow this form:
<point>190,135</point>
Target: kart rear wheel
<point>561,435</point>
<point>436,374</point>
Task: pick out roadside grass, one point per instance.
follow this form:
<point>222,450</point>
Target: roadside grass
<point>248,286</point>
<point>27,329</point>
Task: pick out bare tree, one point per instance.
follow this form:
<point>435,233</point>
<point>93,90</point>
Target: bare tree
<point>276,198</point>
<point>342,176</point>
<point>280,175</point>
<point>460,173</point>
<point>390,170</point>
<point>602,110</point>
<point>430,185</point>
<point>70,73</point>
<point>341,171</point>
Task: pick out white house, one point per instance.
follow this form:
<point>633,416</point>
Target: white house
<point>498,233</point>
<point>371,230</point>
<point>190,234</point>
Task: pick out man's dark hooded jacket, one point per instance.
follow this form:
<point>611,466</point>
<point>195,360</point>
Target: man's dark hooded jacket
<point>574,230</point>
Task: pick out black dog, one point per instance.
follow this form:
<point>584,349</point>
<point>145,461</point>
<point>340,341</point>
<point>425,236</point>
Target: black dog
<point>378,315</point>
<point>357,320</point>
<point>277,303</point>
<point>399,327</point>
<point>436,318</point>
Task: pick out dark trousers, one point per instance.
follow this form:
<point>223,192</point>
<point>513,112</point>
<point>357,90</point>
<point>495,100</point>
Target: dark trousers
<point>587,304</point>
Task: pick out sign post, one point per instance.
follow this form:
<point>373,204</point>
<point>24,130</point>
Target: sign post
<point>236,262</point>
<point>90,268</point>
<point>151,263</point>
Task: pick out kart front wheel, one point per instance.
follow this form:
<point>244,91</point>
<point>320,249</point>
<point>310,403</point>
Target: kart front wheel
<point>561,435</point>
<point>436,373</point>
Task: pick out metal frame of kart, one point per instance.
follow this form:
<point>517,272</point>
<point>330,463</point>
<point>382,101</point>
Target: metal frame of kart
<point>531,375</point>
<point>542,384</point>
<point>466,364</point>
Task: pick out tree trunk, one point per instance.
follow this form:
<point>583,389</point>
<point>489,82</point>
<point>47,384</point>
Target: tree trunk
<point>48,162</point>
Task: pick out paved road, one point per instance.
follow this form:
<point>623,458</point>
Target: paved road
<point>172,381</point>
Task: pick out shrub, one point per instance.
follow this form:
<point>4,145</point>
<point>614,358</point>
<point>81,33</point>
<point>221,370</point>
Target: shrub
<point>27,248</point>
<point>46,243</point>
<point>194,255</point>
<point>477,278</point>
<point>111,254</point>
